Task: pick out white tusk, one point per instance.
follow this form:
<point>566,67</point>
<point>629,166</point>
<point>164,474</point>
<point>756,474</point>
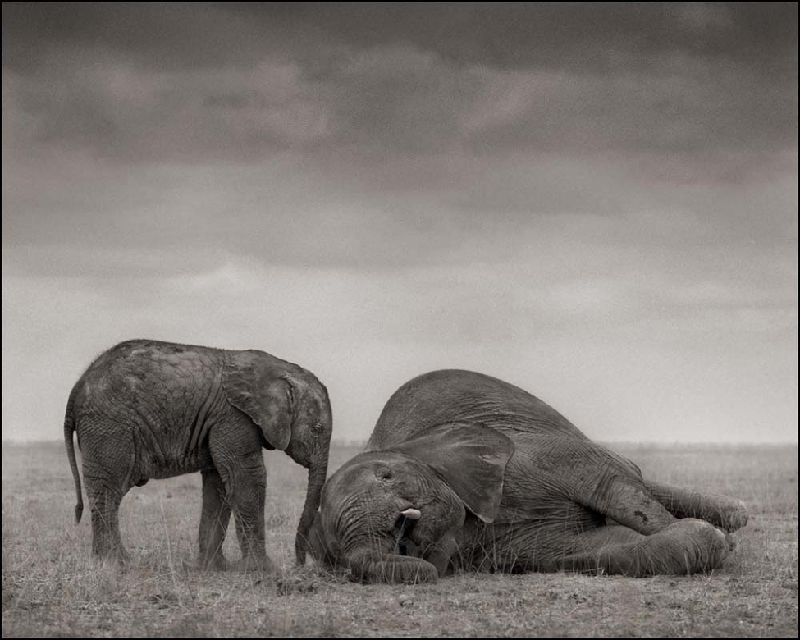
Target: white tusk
<point>412,514</point>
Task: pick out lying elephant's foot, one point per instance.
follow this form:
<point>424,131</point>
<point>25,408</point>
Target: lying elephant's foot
<point>727,513</point>
<point>685,547</point>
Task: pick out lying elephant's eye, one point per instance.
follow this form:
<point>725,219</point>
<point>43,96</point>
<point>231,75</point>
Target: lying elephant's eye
<point>384,473</point>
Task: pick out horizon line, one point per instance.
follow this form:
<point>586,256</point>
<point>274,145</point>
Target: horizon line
<point>352,443</point>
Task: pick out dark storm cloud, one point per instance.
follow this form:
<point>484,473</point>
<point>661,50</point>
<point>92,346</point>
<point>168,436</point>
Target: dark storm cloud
<point>239,81</point>
<point>583,36</point>
<point>554,35</point>
<point>161,36</point>
<point>362,135</point>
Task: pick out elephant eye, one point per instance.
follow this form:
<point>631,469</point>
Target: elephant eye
<point>384,473</point>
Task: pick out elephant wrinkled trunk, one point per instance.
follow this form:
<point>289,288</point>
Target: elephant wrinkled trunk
<point>370,566</point>
<point>317,473</point>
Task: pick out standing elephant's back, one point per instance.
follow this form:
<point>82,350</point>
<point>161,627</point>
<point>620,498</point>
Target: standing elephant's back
<point>163,369</point>
<point>159,392</point>
<point>455,395</point>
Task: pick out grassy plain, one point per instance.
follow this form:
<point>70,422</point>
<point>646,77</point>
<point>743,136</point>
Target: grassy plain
<point>52,587</point>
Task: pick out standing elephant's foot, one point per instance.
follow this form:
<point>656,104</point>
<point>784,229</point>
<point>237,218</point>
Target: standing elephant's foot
<point>104,500</point>
<point>257,564</point>
<point>685,547</point>
<point>117,556</point>
<point>214,563</point>
<point>107,547</point>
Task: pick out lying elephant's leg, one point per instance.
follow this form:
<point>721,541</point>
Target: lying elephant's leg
<point>535,543</point>
<point>625,500</point>
<point>685,547</point>
<point>726,513</point>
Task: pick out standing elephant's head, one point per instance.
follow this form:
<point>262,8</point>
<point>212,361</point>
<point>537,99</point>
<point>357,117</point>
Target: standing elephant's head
<point>396,515</point>
<point>292,408</point>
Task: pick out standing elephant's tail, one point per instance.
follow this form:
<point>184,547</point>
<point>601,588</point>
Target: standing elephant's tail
<point>69,428</point>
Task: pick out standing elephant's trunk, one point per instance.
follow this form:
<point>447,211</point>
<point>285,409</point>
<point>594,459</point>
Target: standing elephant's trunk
<point>317,474</point>
<point>309,447</point>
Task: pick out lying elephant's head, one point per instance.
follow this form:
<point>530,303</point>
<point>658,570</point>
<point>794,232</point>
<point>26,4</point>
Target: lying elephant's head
<point>396,515</point>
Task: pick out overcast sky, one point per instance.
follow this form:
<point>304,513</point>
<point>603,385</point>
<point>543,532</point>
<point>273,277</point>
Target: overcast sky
<point>596,202</point>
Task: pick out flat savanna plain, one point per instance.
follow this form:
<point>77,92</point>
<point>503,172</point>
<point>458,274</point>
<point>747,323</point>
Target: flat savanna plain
<point>52,587</point>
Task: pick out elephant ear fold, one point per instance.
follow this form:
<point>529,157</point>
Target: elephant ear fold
<point>256,386</point>
<point>470,458</point>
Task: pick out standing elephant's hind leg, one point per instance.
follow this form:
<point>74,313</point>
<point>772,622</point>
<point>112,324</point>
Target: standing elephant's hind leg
<point>684,547</point>
<point>106,538</point>
<point>108,464</point>
<point>105,493</point>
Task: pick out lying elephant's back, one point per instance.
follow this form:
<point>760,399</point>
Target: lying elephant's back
<point>456,395</point>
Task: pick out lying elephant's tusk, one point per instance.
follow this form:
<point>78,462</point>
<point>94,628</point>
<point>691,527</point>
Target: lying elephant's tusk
<point>412,514</point>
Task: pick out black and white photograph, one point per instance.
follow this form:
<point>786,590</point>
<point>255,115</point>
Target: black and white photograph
<point>451,319</point>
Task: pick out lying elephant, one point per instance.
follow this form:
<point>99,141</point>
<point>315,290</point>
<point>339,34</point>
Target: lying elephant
<point>467,471</point>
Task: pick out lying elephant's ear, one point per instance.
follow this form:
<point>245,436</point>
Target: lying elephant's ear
<point>471,459</point>
<point>254,384</point>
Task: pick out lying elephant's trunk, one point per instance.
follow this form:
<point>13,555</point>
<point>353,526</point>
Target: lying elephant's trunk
<point>370,566</point>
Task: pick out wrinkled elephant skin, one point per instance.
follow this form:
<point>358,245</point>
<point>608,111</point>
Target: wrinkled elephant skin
<point>147,409</point>
<point>496,480</point>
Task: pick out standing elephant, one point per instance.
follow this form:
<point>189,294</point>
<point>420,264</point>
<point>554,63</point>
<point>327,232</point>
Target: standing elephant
<point>465,470</point>
<point>147,409</point>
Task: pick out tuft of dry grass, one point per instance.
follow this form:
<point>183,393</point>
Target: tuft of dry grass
<point>52,586</point>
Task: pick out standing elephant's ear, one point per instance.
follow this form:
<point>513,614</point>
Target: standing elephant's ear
<point>256,385</point>
<point>470,458</point>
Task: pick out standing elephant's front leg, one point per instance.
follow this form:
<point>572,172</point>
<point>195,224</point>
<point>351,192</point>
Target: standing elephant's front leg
<point>214,521</point>
<point>247,501</point>
<point>236,452</point>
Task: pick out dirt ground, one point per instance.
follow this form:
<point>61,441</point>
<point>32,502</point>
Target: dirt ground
<point>52,587</point>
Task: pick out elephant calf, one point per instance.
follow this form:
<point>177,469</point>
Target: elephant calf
<point>465,470</point>
<point>146,409</point>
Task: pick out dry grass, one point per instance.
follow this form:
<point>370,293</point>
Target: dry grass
<point>51,586</point>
